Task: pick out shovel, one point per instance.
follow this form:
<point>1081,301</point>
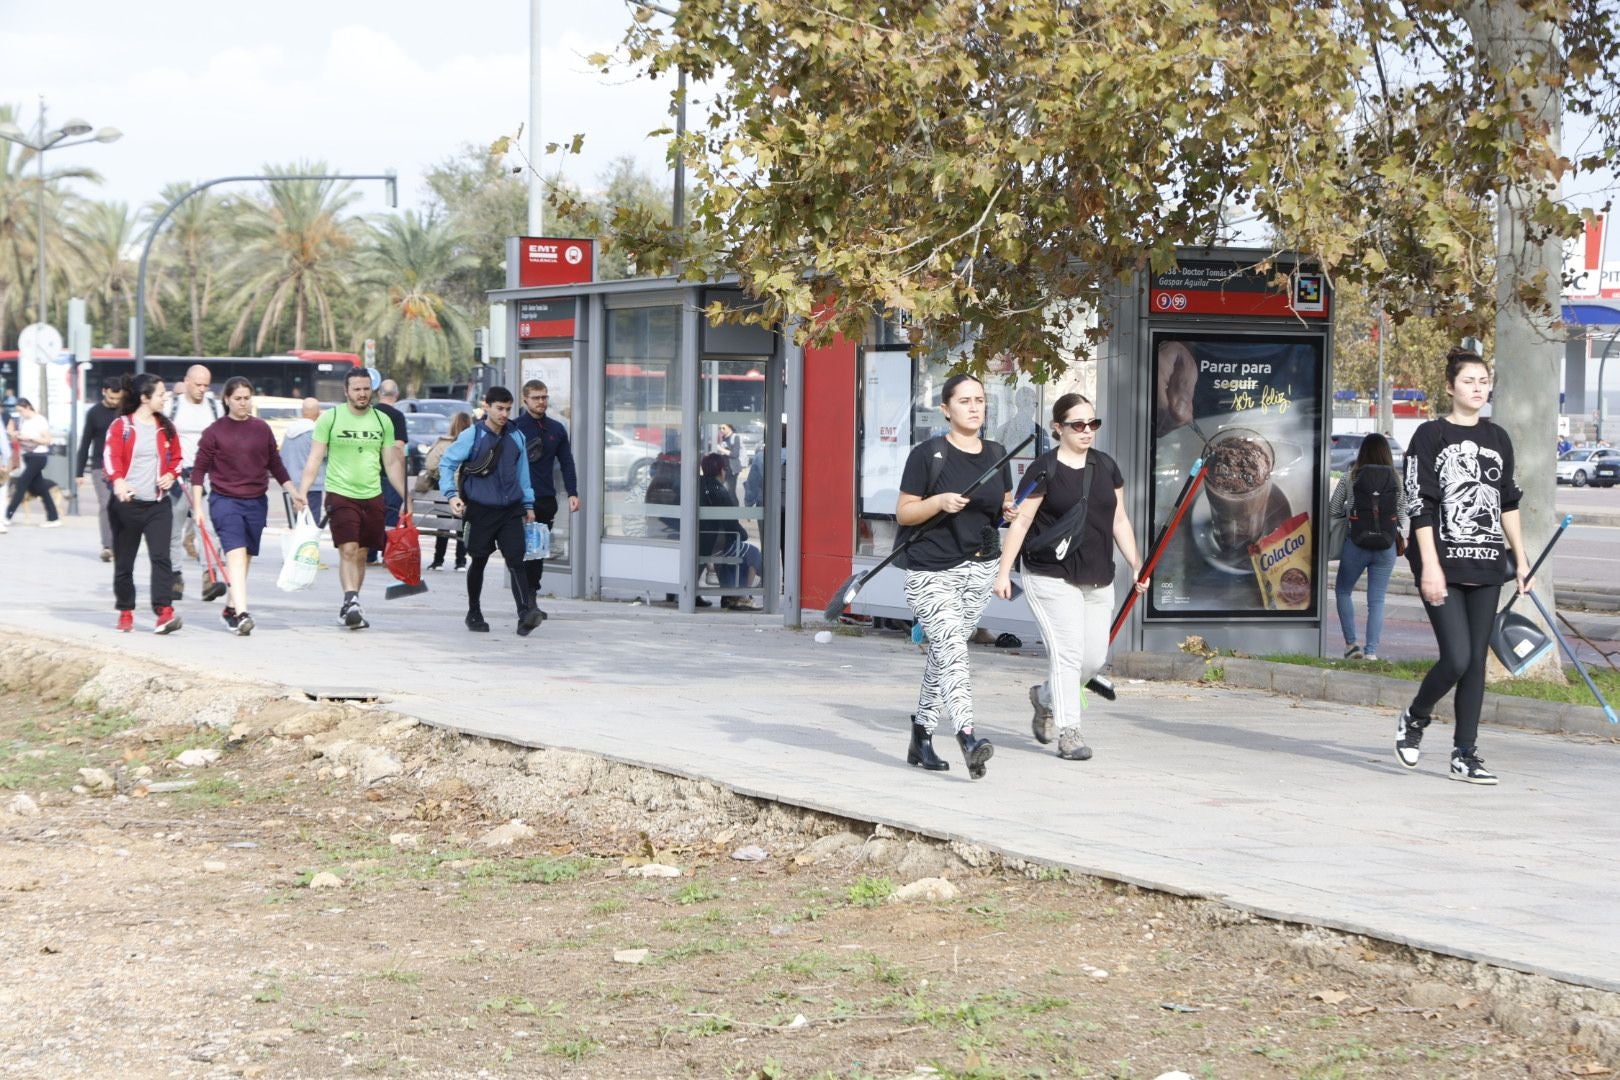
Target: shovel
<point>847,592</point>
<point>1516,640</point>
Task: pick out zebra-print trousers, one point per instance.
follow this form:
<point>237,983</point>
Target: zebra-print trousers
<point>948,603</point>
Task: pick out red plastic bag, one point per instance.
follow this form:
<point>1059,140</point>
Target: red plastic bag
<point>403,555</point>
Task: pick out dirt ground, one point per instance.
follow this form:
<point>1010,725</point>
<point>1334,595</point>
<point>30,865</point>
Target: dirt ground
<point>330,901</point>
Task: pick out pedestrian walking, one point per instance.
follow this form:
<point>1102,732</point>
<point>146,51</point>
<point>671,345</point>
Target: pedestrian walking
<point>235,457</point>
<point>728,444</point>
<point>33,437</point>
<point>1071,519</point>
<point>950,566</point>
<point>1372,498</point>
<point>356,444</point>
<point>548,449</point>
<point>428,482</point>
<point>142,463</point>
<point>92,447</point>
<point>295,446</point>
<point>485,476</point>
<point>191,410</point>
<point>1465,520</point>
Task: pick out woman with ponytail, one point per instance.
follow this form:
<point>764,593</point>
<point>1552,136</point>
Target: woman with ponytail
<point>142,462</point>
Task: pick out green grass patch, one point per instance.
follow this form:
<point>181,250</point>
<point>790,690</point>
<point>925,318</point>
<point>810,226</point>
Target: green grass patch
<point>576,1049</point>
<point>1575,693</point>
<point>697,892</point>
<point>700,947</point>
<point>611,906</point>
<point>869,891</point>
<point>531,871</point>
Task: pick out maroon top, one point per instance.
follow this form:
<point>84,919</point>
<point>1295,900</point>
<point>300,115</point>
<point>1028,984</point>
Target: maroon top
<point>238,455</point>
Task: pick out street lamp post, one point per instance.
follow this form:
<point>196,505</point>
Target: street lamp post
<point>40,141</point>
<point>139,344</point>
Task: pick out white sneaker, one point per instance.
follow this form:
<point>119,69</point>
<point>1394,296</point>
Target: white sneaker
<point>4,528</point>
<point>57,524</point>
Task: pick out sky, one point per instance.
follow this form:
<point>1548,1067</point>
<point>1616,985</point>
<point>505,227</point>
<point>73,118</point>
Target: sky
<point>206,89</point>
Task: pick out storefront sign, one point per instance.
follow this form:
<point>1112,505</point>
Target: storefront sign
<point>553,260</point>
<point>1230,288</point>
<point>542,319</point>
<point>1251,406</point>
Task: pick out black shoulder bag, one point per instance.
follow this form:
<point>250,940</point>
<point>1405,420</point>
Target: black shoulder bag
<point>1061,534</point>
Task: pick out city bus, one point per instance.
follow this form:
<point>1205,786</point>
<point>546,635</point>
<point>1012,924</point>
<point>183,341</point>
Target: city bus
<point>298,374</point>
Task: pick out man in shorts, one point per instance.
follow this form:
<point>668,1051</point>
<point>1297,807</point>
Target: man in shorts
<point>357,444</point>
<point>485,476</point>
<point>235,455</point>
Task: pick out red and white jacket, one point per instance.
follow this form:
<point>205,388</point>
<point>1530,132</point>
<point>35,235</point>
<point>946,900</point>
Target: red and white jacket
<point>121,446</point>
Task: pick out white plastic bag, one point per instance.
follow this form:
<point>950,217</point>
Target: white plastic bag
<point>301,555</point>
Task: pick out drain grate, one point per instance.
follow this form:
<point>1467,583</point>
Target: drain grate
<point>357,695</point>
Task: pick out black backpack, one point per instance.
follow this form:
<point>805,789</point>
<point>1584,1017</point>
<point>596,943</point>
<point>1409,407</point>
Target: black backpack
<point>1374,522</point>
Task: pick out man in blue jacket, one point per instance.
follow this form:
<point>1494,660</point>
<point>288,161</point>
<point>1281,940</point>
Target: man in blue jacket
<point>547,443</point>
<point>485,475</point>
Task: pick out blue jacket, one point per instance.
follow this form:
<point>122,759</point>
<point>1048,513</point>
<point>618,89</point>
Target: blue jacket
<point>552,440</point>
<point>507,483</point>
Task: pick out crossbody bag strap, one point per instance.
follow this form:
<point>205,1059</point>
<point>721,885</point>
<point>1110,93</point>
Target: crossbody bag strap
<point>1066,529</point>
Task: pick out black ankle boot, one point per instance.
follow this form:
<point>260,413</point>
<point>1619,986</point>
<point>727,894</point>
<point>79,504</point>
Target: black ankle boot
<point>975,752</point>
<point>475,622</point>
<point>922,750</point>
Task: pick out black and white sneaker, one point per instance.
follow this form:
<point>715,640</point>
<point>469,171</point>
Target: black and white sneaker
<point>227,615</point>
<point>1470,769</point>
<point>244,625</point>
<point>352,616</point>
<point>1408,737</point>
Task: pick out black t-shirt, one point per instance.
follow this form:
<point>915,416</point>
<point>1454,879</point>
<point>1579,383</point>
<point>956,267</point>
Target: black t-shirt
<point>395,417</point>
<point>1090,558</point>
<point>970,534</point>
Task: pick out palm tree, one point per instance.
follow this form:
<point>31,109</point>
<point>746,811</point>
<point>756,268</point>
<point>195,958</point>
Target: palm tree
<point>405,271</point>
<point>106,238</point>
<point>19,229</point>
<point>191,244</point>
<point>295,248</point>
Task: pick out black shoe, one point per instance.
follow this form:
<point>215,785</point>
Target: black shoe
<point>975,752</point>
<point>921,751</point>
<point>475,622</point>
<point>178,592</point>
<point>701,602</point>
<point>1408,737</point>
<point>435,566</point>
<point>244,625</point>
<point>227,615</point>
<point>528,621</point>
<point>213,588</point>
<point>1470,769</point>
<point>352,616</point>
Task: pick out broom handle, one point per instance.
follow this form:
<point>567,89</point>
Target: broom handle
<point>942,515</point>
<point>1546,551</point>
<point>1184,500</point>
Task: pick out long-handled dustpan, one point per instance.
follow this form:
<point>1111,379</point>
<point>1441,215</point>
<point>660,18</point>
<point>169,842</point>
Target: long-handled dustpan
<point>851,588</point>
<point>1515,639</point>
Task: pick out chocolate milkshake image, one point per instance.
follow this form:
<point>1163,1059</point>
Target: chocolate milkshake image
<point>1238,487</point>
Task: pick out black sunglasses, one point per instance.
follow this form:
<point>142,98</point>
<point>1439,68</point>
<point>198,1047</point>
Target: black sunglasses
<point>1094,424</point>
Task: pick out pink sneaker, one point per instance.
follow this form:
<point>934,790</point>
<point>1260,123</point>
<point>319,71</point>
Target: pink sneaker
<point>167,622</point>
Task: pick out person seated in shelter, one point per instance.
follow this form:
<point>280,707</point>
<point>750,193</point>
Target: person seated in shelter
<point>726,539</point>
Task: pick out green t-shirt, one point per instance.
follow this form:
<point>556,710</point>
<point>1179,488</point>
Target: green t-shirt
<point>354,446</point>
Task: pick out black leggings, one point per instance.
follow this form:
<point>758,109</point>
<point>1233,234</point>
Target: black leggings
<point>1462,629</point>
<point>32,482</point>
<point>132,522</point>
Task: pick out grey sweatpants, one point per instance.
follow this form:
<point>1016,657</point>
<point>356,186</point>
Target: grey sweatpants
<point>1074,624</point>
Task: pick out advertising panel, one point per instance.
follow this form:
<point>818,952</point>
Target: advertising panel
<point>542,319</point>
<point>554,260</point>
<point>1251,405</point>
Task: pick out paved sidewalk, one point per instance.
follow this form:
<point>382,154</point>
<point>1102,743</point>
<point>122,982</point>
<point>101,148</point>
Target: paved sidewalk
<point>1293,810</point>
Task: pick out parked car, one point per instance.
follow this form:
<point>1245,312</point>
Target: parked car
<point>442,406</point>
<point>627,462</point>
<point>1347,445</point>
<point>422,430</point>
<point>1606,474</point>
<point>1579,467</point>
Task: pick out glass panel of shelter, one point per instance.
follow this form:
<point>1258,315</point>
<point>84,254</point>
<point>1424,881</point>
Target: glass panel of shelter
<point>555,368</point>
<point>734,432</point>
<point>640,486</point>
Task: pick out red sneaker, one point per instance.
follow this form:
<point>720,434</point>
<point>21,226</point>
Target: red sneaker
<point>126,621</point>
<point>167,622</point>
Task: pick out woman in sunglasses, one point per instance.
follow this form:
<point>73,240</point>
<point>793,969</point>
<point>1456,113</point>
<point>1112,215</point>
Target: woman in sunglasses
<point>950,564</point>
<point>1071,518</point>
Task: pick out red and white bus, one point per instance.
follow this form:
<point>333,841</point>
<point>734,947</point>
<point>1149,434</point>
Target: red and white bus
<point>298,374</point>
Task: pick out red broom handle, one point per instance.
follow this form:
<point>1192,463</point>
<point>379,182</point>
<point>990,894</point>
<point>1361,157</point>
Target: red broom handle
<point>1159,545</point>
